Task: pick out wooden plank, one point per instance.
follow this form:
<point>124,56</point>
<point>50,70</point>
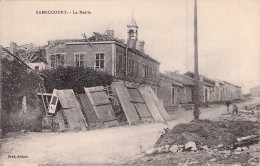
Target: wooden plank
<point>158,104</point>
<point>100,97</point>
<point>75,119</point>
<point>135,95</point>
<point>101,104</point>
<point>137,102</point>
<point>140,105</point>
<point>112,123</point>
<point>92,103</point>
<point>59,121</point>
<point>67,99</point>
<point>109,103</point>
<point>44,94</point>
<point>144,113</point>
<point>96,89</point>
<point>63,99</point>
<point>151,105</point>
<point>107,113</point>
<point>128,107</point>
<point>87,108</point>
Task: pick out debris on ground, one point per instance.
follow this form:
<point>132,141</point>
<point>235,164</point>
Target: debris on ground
<point>210,133</point>
<point>230,139</point>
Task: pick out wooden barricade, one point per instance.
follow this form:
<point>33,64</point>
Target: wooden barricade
<point>102,106</point>
<point>128,107</point>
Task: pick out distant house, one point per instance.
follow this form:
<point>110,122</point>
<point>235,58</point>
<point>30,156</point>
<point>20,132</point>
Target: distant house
<point>214,90</point>
<point>37,65</point>
<point>126,61</point>
<point>32,55</point>
<point>170,91</point>
<point>255,92</point>
<point>232,91</point>
<point>175,89</point>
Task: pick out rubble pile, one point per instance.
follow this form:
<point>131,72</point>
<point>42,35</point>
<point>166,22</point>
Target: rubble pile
<point>230,139</point>
<point>202,132</point>
<point>205,134</point>
<point>243,115</point>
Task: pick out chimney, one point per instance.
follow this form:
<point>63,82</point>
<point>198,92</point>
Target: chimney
<point>177,72</point>
<point>13,48</point>
<point>110,33</point>
<point>140,46</point>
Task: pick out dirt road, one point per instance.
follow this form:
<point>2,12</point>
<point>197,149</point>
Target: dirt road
<point>107,146</point>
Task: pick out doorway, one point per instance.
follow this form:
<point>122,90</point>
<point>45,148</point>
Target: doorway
<point>206,95</point>
<point>173,96</point>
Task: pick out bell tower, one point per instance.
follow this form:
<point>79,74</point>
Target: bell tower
<point>132,33</point>
<point>132,30</point>
<point>132,36</point>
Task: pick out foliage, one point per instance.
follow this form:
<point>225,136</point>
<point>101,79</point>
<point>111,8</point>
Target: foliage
<point>17,82</point>
<point>75,78</point>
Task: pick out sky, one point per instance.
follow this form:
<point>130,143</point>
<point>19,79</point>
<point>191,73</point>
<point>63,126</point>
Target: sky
<point>228,31</point>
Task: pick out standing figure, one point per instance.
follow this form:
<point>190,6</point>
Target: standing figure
<point>227,104</point>
<point>235,109</point>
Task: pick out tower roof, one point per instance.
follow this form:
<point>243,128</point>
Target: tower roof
<point>132,23</point>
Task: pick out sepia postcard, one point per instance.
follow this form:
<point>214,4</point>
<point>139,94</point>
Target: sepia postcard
<point>129,82</point>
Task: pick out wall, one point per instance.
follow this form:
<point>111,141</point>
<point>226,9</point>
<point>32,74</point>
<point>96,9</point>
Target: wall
<point>188,90</point>
<point>182,94</point>
<point>41,65</point>
<point>135,75</point>
<point>231,91</point>
<point>164,93</point>
<point>255,92</point>
<point>89,59</point>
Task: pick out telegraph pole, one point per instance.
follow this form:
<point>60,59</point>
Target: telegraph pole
<point>196,111</point>
<point>1,110</point>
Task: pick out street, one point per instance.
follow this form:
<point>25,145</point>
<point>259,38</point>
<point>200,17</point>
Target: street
<point>116,145</point>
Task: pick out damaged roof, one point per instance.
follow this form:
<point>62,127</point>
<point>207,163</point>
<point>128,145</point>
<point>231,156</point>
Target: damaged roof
<point>98,37</point>
<point>28,53</point>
